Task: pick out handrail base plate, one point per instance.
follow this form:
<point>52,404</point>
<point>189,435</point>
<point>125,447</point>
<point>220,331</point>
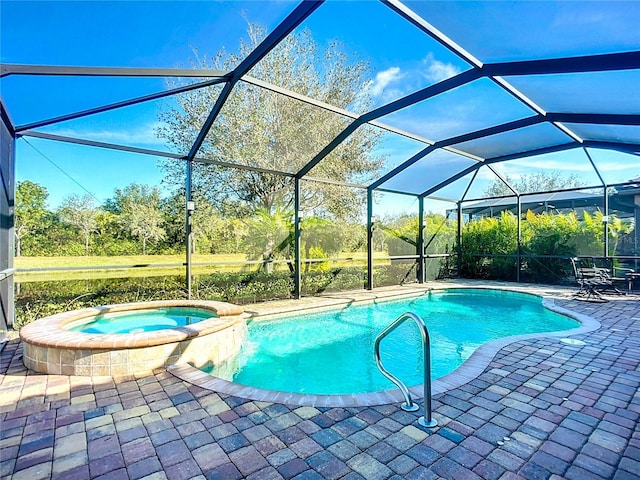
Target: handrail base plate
<point>414,407</point>
<point>423,423</point>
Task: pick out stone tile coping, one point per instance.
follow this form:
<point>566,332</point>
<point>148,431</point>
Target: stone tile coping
<point>469,370</point>
<point>52,332</point>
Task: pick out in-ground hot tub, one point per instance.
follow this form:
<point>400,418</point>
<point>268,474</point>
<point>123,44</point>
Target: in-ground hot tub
<point>52,347</point>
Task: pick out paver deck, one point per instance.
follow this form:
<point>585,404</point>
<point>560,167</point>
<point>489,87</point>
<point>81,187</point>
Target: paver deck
<point>541,409</point>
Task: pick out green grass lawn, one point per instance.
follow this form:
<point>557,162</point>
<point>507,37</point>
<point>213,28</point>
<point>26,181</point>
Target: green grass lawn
<point>90,261</point>
<point>138,266</point>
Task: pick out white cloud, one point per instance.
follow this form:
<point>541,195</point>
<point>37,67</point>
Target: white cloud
<point>396,82</point>
<point>144,134</point>
<point>437,70</point>
<point>384,79</point>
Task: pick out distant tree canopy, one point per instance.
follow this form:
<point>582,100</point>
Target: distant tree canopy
<point>542,181</point>
<point>262,129</point>
<point>139,209</point>
<point>80,213</point>
<point>128,197</point>
<point>137,220</point>
<point>31,209</point>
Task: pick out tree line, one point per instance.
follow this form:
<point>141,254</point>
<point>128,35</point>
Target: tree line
<point>137,220</point>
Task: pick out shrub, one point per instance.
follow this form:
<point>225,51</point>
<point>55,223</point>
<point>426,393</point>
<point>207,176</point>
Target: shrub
<point>547,241</point>
<point>550,240</point>
<point>490,236</point>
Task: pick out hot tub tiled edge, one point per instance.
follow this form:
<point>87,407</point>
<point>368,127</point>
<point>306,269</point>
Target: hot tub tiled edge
<point>50,348</point>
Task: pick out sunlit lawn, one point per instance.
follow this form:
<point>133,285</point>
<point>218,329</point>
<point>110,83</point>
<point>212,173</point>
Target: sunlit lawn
<point>92,261</point>
<point>138,266</point>
<point>130,266</point>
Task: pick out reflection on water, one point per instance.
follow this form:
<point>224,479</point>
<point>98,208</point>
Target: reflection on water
<point>143,320</point>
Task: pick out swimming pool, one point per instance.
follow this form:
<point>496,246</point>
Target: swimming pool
<point>332,352</point>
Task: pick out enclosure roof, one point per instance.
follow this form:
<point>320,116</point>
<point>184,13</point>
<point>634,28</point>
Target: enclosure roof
<point>492,92</point>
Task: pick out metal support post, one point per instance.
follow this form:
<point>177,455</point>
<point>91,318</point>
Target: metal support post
<point>519,247</point>
<point>459,234</point>
<point>421,258</point>
<point>297,281</point>
<point>188,219</point>
<point>605,223</point>
<point>369,239</point>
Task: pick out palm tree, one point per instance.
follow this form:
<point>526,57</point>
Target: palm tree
<point>269,235</point>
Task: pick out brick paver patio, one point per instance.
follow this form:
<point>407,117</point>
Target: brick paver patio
<point>542,409</point>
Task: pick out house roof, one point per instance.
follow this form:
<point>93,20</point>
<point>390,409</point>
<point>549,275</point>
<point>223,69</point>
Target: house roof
<point>554,202</point>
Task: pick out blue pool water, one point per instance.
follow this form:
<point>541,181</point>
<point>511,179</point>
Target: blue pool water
<point>143,320</point>
<point>332,352</point>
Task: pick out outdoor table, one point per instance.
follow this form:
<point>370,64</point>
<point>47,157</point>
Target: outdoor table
<point>631,276</point>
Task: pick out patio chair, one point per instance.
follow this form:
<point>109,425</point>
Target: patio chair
<point>590,281</point>
<point>614,275</point>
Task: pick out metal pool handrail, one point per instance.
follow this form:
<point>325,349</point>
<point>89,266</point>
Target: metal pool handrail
<point>426,421</point>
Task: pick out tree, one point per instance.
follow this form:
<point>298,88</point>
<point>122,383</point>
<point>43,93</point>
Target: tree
<point>80,213</point>
<point>322,237</point>
<point>402,234</point>
<point>269,236</point>
<point>205,223</point>
<point>108,239</point>
<point>173,210</point>
<point>263,129</point>
<point>542,181</point>
<point>139,209</point>
<point>145,223</point>
<point>133,194</point>
<point>30,210</point>
<point>206,228</point>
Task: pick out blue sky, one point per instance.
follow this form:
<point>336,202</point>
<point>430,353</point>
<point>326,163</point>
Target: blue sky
<point>164,34</point>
